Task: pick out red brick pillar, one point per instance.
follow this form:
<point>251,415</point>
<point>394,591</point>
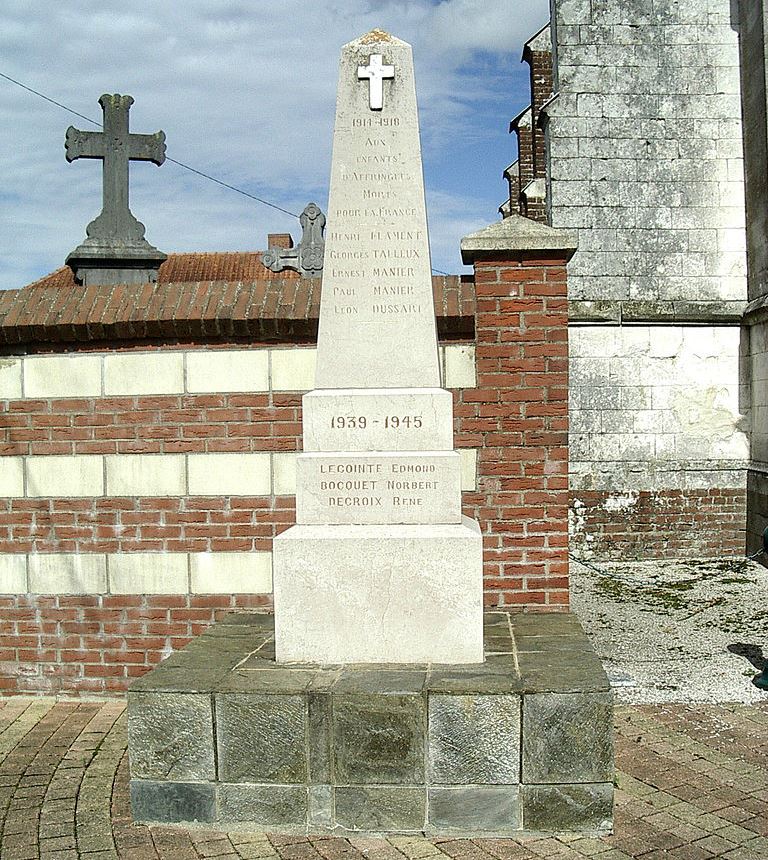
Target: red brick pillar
<point>518,414</point>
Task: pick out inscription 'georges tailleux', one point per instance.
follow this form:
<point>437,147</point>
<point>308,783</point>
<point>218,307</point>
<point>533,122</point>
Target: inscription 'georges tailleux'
<point>381,566</point>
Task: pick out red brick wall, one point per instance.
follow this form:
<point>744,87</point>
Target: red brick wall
<point>518,417</point>
<point>659,524</point>
<point>160,424</point>
<point>98,643</point>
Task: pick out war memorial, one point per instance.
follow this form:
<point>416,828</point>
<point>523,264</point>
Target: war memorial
<point>380,697</point>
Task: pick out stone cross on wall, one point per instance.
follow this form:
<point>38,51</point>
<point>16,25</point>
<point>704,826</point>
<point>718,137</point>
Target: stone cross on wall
<point>375,73</point>
<point>307,257</point>
<point>115,146</point>
<point>115,250</point>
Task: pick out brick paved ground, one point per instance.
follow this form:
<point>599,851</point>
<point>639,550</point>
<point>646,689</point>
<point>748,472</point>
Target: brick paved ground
<point>693,784</point>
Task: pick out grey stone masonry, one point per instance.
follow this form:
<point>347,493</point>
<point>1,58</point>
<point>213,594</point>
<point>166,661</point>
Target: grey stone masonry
<point>221,734</point>
<point>115,250</point>
<point>645,152</point>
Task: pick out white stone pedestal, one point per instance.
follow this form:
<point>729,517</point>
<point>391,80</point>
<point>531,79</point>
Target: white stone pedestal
<point>379,594</point>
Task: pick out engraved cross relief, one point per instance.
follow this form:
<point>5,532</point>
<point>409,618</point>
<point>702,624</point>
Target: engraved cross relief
<point>115,146</point>
<point>375,73</point>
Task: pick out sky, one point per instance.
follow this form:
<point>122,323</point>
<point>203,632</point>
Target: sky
<point>245,91</point>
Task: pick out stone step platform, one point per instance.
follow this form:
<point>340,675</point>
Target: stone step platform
<point>221,734</point>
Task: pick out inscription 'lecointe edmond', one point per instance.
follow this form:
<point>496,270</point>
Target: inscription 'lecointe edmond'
<point>377,319</point>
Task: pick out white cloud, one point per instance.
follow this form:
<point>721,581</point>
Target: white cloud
<point>244,91</point>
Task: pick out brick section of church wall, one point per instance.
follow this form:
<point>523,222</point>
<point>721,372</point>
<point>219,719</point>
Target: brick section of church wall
<point>658,441</point>
<point>652,524</point>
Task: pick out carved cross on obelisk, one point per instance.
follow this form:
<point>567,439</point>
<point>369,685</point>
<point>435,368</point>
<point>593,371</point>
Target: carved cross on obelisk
<point>375,73</point>
<point>115,240</point>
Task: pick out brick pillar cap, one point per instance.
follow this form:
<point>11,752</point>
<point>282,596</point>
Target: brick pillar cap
<point>516,234</point>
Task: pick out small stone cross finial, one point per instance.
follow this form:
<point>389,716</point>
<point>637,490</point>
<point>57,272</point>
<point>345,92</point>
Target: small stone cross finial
<point>307,257</point>
<point>115,250</point>
<point>375,73</point>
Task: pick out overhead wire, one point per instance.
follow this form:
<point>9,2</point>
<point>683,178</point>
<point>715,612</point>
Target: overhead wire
<point>175,161</point>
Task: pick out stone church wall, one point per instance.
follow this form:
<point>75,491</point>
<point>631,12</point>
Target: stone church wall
<point>645,161</point>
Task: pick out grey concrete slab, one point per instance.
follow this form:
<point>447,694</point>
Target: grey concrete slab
<point>567,738</point>
<point>171,736</point>
<point>474,739</point>
<point>378,739</point>
<point>261,738</point>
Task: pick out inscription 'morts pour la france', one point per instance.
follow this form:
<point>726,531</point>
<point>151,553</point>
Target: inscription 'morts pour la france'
<point>377,319</point>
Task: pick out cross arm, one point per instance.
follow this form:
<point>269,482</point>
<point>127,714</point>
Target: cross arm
<point>83,144</point>
<point>147,147</point>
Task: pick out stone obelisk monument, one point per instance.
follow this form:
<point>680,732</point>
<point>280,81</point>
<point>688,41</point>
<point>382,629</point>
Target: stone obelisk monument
<point>381,567</point>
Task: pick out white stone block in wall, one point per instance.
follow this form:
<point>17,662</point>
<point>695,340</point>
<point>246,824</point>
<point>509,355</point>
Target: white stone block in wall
<point>10,378</point>
<point>460,369</point>
<point>146,475</point>
<point>144,373</point>
<point>293,369</point>
<point>229,474</point>
<point>62,475</point>
<point>148,573</point>
<point>284,473</point>
<point>11,477</point>
<point>665,341</point>
<point>231,572</point>
<point>62,376</point>
<point>227,370</point>
<point>13,573</point>
<point>468,468</point>
<point>67,573</point>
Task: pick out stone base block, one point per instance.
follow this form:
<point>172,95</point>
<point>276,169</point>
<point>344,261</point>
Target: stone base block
<point>221,734</point>
<point>379,594</point>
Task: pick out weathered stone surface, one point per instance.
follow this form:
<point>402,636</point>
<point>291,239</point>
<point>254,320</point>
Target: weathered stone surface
<point>377,322</point>
<point>429,412</point>
<point>115,251</point>
<point>567,738</point>
<point>261,738</point>
<point>319,738</point>
<point>379,488</point>
<point>173,802</point>
<point>320,813</point>
<point>379,594</point>
<point>380,808</point>
<point>476,809</point>
<point>378,739</point>
<point>474,739</point>
<point>567,807</point>
<point>516,233</point>
<point>481,679</point>
<point>171,736</point>
<point>354,738</point>
<point>263,805</point>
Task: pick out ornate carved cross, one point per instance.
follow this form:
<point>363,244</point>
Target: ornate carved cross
<point>375,73</point>
<point>307,257</point>
<point>116,147</point>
